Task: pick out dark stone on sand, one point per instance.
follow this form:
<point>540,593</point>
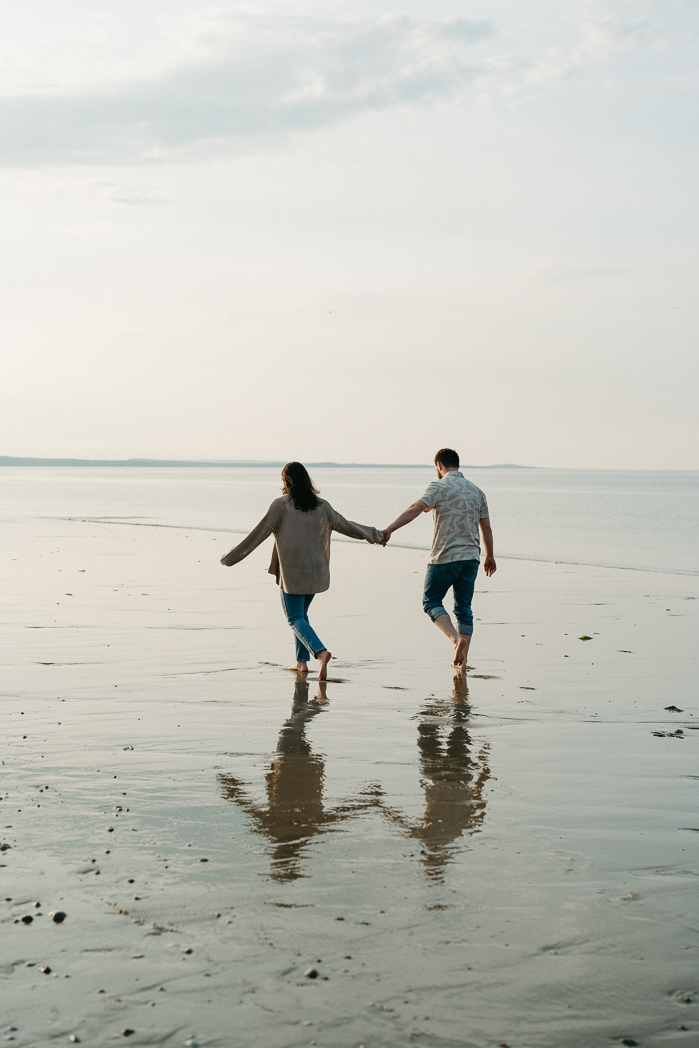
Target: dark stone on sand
<point>673,709</point>
<point>27,919</point>
<point>203,860</point>
<point>189,950</point>
<point>339,918</point>
<point>311,973</point>
<point>630,1041</point>
<point>57,916</point>
<point>110,830</point>
<point>45,970</point>
<point>127,1032</point>
<point>131,880</point>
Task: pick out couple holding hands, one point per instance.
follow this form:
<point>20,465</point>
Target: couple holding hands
<point>302,524</point>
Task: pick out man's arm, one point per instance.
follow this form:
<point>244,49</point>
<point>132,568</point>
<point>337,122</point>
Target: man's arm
<point>489,565</point>
<point>406,516</point>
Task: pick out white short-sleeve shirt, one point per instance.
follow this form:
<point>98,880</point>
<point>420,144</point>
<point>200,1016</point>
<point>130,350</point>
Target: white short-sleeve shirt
<point>458,506</point>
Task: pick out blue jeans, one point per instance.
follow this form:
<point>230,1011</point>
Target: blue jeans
<point>461,574</point>
<point>296,607</point>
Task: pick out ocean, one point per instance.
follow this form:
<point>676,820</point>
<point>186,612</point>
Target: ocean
<point>636,519</point>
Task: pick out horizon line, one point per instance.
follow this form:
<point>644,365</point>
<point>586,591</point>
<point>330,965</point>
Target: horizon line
<point>9,460</point>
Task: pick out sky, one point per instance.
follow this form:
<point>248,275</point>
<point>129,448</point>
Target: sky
<point>351,232</point>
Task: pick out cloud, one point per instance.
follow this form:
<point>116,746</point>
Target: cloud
<point>222,82</point>
<point>275,77</point>
<point>583,34</point>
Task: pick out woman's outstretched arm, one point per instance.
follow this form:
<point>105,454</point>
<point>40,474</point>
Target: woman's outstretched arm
<point>352,530</point>
<point>258,535</point>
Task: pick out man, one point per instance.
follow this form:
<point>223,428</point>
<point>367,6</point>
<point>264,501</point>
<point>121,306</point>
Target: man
<point>459,508</point>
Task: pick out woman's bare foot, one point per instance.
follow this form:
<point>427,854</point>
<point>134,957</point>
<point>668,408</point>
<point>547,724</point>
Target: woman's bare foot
<point>323,657</point>
<point>298,667</point>
<point>460,654</point>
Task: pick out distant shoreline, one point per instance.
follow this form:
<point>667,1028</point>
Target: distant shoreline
<point>6,460</point>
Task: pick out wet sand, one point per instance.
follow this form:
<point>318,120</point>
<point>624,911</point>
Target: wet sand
<point>512,861</point>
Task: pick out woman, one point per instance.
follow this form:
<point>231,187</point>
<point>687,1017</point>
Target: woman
<point>301,524</point>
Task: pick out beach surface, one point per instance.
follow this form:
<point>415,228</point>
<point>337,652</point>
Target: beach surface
<point>508,862</point>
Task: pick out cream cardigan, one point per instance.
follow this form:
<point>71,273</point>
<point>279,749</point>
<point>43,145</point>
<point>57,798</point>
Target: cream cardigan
<point>301,558</point>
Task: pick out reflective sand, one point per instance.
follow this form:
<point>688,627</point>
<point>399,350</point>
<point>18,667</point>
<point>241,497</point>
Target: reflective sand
<point>512,861</point>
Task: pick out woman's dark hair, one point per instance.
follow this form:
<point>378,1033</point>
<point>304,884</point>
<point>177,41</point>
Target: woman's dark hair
<point>299,487</point>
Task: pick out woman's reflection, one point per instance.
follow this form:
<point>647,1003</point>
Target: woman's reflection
<point>453,777</point>
<point>295,812</point>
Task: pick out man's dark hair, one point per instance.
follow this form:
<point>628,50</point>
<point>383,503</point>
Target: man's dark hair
<point>448,458</point>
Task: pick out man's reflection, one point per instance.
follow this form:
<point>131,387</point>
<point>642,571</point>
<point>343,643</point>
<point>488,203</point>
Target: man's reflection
<point>295,812</point>
<point>453,778</point>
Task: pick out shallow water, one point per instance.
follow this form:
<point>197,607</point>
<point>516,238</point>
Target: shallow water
<point>636,519</point>
<point>514,861</point>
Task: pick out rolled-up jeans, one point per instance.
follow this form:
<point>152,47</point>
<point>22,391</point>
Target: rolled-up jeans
<point>296,607</point>
<point>461,574</point>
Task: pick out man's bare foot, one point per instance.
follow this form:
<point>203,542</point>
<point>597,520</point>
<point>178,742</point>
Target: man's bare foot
<point>323,657</point>
<point>298,667</point>
<point>460,654</point>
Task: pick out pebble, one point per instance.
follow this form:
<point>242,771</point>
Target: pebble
<point>45,970</point>
<point>127,1032</point>
<point>27,919</point>
<point>203,860</point>
<point>629,1041</point>
<point>311,973</point>
<point>74,1038</point>
<point>191,1043</point>
<point>57,916</point>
